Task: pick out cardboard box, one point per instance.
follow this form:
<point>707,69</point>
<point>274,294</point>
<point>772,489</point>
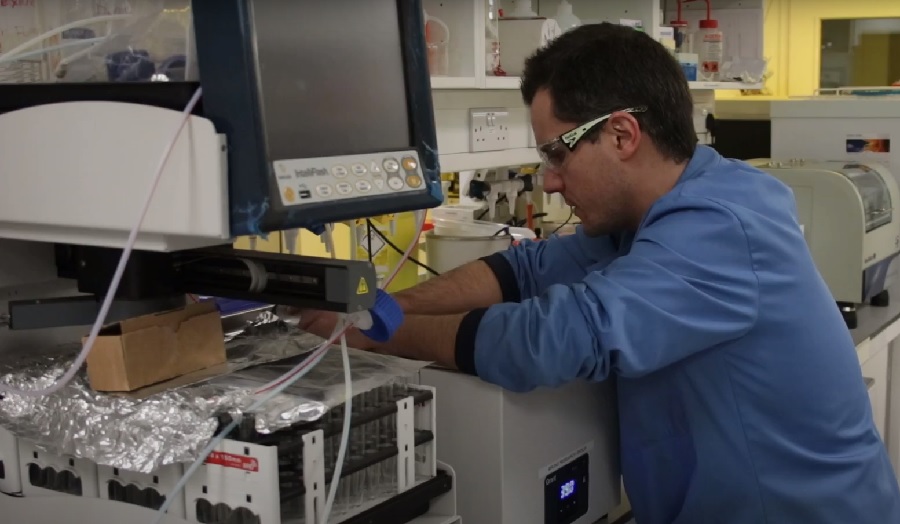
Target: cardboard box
<point>146,350</point>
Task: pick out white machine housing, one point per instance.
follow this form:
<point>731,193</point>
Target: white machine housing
<point>846,212</point>
<point>512,454</point>
<point>90,185</point>
<point>831,127</point>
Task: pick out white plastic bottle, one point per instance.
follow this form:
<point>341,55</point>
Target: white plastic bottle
<point>709,45</point>
<point>565,17</point>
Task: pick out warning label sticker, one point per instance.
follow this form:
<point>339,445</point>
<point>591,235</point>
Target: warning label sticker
<point>229,460</point>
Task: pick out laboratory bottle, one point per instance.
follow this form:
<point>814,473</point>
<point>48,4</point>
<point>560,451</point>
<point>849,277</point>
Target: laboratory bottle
<point>683,42</point>
<point>565,17</point>
<point>492,41</point>
<point>437,42</point>
<point>708,43</point>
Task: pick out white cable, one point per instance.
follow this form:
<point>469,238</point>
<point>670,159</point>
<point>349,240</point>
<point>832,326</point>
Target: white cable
<point>120,269</point>
<point>348,399</point>
<point>329,240</point>
<point>345,432</point>
<point>420,225</point>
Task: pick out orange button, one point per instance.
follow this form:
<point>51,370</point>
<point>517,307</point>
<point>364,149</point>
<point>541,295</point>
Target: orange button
<point>410,164</point>
<point>289,194</point>
<point>413,181</point>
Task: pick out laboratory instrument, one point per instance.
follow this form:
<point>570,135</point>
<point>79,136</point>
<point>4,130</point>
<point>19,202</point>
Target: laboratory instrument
<point>229,174</point>
<point>272,144</point>
<point>846,124</point>
<point>851,124</point>
<point>550,456</point>
<point>276,148</point>
<point>846,212</point>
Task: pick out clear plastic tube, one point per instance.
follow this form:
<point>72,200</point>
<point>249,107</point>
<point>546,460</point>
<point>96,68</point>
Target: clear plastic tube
<point>345,432</point>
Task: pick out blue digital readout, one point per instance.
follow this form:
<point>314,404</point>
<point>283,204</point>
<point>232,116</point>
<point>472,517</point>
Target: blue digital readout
<point>567,490</point>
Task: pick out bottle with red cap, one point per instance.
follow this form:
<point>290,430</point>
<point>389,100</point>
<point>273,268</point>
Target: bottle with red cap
<point>709,44</point>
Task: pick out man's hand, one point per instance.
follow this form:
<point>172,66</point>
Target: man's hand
<point>427,338</point>
<point>322,323</point>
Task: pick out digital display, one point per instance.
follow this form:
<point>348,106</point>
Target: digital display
<point>567,490</point>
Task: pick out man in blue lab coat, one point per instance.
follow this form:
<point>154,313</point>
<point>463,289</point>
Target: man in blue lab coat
<point>740,393</point>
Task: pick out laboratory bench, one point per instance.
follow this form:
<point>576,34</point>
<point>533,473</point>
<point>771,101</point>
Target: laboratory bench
<point>876,339</point>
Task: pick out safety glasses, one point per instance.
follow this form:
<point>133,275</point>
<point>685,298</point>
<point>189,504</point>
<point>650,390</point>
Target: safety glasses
<point>553,153</point>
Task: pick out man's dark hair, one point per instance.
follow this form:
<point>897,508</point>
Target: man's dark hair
<point>599,68</point>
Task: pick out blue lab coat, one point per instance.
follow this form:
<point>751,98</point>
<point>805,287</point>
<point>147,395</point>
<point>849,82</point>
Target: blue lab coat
<point>740,394</point>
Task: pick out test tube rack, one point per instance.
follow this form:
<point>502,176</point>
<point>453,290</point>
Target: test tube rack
<point>251,478</point>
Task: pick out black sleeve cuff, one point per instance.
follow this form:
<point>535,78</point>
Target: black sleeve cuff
<point>506,277</point>
<point>465,341</point>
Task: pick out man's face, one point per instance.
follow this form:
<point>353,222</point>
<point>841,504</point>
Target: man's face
<point>589,177</point>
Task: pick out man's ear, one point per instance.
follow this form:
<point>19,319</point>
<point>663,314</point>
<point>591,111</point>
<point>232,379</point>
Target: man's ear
<point>626,132</point>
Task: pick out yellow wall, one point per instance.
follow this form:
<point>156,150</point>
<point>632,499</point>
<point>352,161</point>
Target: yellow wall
<point>792,35</point>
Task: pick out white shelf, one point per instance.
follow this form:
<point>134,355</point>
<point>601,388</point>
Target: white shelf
<point>468,161</point>
<point>512,82</point>
<point>718,86</point>
<point>454,82</point>
<point>502,82</point>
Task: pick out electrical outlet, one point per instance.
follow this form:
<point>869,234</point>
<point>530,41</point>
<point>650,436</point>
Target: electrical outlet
<point>488,129</point>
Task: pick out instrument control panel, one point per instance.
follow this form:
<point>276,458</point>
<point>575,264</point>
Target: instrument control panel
<point>317,181</point>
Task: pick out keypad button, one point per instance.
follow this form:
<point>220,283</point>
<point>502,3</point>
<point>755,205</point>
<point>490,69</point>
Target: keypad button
<point>395,183</point>
<point>410,164</point>
<point>391,165</point>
